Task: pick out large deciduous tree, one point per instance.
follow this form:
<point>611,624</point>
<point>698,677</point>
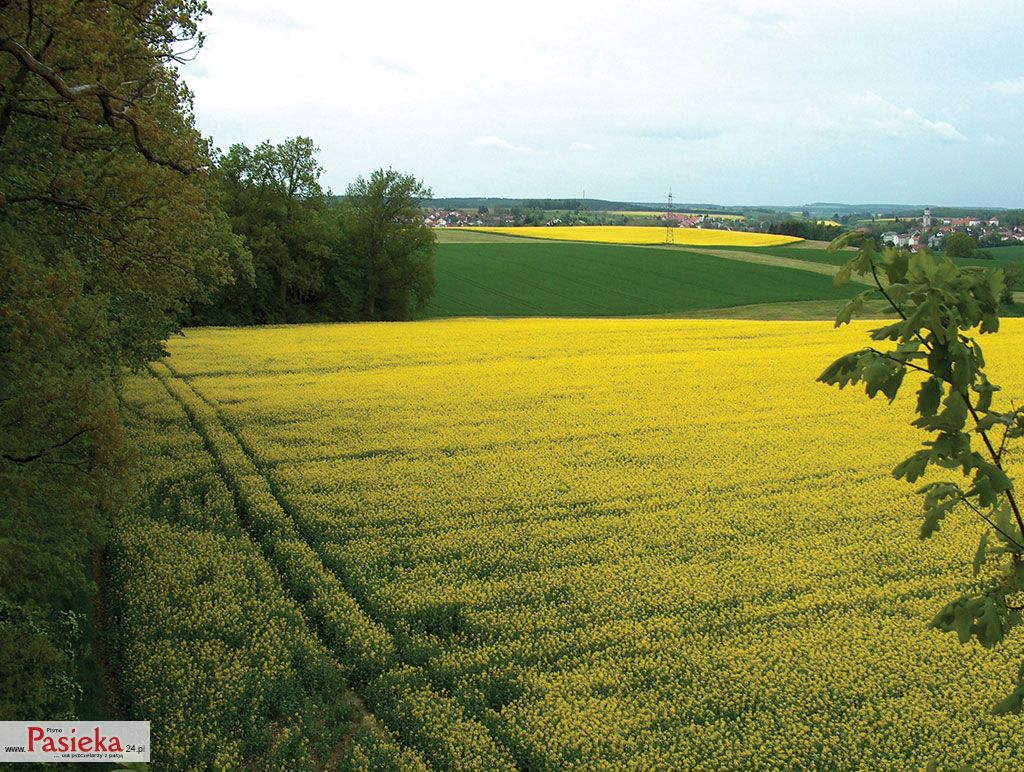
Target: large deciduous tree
<point>960,245</point>
<point>109,224</point>
<point>276,203</point>
<point>391,249</point>
<point>315,260</point>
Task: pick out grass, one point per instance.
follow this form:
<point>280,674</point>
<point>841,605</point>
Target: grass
<point>566,279</point>
<point>465,236</point>
<point>485,274</point>
<point>1015,252</point>
<point>819,254</point>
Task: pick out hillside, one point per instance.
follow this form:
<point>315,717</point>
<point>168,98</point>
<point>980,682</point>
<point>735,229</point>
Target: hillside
<point>534,278</point>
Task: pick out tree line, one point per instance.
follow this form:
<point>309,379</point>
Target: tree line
<point>119,223</point>
<point>805,229</point>
<point>311,255</point>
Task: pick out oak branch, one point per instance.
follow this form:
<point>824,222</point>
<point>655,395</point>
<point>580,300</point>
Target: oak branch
<point>115,108</point>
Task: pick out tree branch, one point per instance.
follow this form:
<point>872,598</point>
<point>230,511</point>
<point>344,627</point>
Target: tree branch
<point>989,520</point>
<point>106,99</point>
<point>911,365</point>
<point>1006,433</point>
<point>966,398</point>
<point>53,201</point>
<point>39,454</point>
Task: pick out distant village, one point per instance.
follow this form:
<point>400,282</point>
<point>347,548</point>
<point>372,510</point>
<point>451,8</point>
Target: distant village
<point>933,232</point>
<point>454,218</point>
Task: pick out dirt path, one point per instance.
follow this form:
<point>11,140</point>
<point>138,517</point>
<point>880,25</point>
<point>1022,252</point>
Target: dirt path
<point>777,261</point>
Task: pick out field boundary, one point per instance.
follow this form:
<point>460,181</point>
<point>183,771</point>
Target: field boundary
<point>387,679</point>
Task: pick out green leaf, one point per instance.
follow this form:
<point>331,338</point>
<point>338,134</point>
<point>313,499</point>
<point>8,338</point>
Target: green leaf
<point>938,359</point>
<point>914,321</point>
<point>939,491</point>
<point>944,272</point>
<point>913,467</point>
<point>935,319</point>
<point>855,306</point>
<point>843,371</point>
<point>996,477</point>
<point>985,390</point>
<point>864,261</point>
<point>921,265</point>
<point>982,488</point>
<point>963,620</point>
<point>954,417</point>
<point>988,627</point>
<point>882,374</point>
<point>1011,703</point>
<point>989,323</point>
<point>846,240</point>
<point>963,366</point>
<point>889,332</point>
<point>989,420</point>
<point>929,396</point>
<point>979,556</point>
<point>996,285</point>
<point>933,517</point>
<point>1006,530</point>
<point>842,277</point>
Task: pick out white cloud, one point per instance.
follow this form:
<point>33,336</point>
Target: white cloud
<point>1014,86</point>
<point>871,113</point>
<point>498,143</point>
<point>995,140</point>
<point>720,98</point>
<point>387,63</point>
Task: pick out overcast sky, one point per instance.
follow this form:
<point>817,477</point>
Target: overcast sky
<point>731,101</point>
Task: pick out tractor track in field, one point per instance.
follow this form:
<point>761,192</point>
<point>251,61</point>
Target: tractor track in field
<point>245,518</point>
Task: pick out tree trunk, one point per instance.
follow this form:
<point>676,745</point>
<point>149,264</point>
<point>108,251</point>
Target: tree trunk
<point>370,300</point>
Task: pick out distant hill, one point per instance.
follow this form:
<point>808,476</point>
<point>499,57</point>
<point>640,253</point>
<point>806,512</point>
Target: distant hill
<point>817,210</point>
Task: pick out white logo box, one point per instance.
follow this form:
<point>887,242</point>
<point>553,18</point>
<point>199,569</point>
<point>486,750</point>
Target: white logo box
<point>77,741</point>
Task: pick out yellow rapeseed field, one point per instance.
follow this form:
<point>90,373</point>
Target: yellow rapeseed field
<point>604,544</point>
<point>636,234</point>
